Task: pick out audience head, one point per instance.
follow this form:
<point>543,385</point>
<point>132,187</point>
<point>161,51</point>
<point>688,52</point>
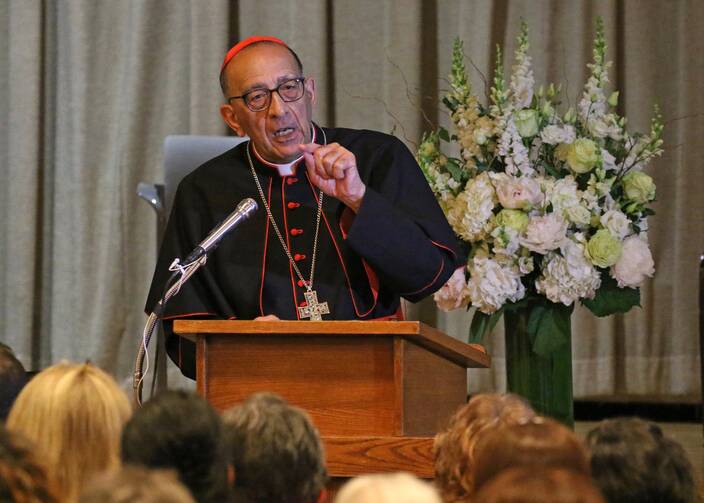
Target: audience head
<point>454,448</point>
<point>22,478</point>
<point>387,488</point>
<point>541,485</point>
<point>12,379</point>
<point>180,430</point>
<point>633,461</point>
<point>134,484</point>
<point>73,414</point>
<point>540,442</point>
<point>276,452</point>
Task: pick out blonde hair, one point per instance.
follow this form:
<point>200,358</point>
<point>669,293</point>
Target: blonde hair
<point>387,488</point>
<point>74,414</point>
<point>454,448</point>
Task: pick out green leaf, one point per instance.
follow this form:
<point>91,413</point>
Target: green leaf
<point>552,329</point>
<point>453,166</point>
<point>536,314</point>
<point>610,299</point>
<point>443,134</point>
<point>482,324</point>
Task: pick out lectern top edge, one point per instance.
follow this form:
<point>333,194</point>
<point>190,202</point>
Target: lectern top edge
<point>467,355</point>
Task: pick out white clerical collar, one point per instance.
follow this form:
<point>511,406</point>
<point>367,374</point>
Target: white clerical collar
<point>286,169</point>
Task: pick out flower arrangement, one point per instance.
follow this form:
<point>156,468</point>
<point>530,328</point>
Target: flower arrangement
<point>552,207</point>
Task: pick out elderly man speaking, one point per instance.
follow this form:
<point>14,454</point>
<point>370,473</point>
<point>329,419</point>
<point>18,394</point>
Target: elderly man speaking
<point>349,223</point>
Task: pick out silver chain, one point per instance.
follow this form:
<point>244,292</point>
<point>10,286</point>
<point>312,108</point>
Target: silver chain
<point>309,284</point>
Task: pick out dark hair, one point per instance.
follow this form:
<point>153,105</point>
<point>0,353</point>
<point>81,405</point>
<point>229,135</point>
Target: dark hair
<point>633,461</point>
<point>223,78</point>
<point>276,452</point>
<point>12,379</point>
<point>539,485</point>
<point>181,430</point>
<point>22,478</point>
<point>540,442</point>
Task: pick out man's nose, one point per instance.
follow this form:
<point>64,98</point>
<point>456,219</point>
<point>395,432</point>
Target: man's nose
<point>277,107</point>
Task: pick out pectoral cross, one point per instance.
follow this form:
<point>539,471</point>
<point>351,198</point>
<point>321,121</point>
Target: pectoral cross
<point>313,309</point>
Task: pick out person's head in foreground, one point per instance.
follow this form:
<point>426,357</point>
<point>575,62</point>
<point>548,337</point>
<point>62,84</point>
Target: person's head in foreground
<point>180,430</point>
<point>133,484</point>
<point>540,442</point>
<point>387,488</point>
<point>539,485</point>
<point>633,461</point>
<point>73,414</point>
<point>12,379</point>
<point>276,452</point>
<point>22,478</point>
<point>268,98</point>
<point>454,447</point>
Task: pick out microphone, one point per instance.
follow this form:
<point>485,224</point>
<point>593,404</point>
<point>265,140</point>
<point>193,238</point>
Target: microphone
<point>243,211</point>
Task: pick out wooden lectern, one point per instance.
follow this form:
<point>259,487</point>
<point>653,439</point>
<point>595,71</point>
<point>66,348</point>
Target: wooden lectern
<point>377,391</point>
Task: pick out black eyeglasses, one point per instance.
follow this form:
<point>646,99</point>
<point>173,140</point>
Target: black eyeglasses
<point>260,99</point>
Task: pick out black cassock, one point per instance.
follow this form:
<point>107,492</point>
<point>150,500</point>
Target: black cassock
<point>399,244</point>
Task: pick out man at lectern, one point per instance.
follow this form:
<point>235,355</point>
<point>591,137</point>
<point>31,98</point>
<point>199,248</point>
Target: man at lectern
<point>346,224</point>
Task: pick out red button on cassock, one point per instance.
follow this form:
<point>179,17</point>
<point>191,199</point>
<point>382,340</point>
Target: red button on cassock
<point>303,304</point>
<point>301,283</point>
<point>296,232</point>
<point>298,257</point>
<point>293,206</point>
<point>291,180</point>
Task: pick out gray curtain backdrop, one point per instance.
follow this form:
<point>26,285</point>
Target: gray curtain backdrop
<point>90,88</point>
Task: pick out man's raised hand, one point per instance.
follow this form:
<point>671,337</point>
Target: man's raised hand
<point>333,169</point>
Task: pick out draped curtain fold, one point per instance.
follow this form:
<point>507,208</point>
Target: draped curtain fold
<point>90,88</point>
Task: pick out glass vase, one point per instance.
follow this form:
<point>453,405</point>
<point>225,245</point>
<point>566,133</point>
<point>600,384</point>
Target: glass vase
<point>544,381</point>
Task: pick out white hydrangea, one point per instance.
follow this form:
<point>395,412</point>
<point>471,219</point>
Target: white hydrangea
<point>568,276</point>
<point>513,152</point>
<point>471,212</point>
<point>506,243</point>
<point>554,134</point>
<point>492,284</point>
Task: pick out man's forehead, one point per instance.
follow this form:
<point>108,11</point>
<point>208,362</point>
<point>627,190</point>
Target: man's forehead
<point>262,63</point>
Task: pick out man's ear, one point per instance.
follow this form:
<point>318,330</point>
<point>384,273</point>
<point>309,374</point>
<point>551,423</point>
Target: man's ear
<point>229,115</point>
<point>310,89</point>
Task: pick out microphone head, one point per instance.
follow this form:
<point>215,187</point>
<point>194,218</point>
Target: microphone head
<point>247,207</point>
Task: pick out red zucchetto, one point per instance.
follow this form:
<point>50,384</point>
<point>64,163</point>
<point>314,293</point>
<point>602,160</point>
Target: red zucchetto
<point>247,42</point>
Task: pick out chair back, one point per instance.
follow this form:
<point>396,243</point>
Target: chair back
<point>184,153</point>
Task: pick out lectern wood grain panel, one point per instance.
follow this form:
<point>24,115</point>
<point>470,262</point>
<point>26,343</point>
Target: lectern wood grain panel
<point>377,391</point>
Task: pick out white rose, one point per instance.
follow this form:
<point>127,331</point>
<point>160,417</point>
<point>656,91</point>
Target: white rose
<point>554,134</point>
<point>635,264</point>
<point>578,215</point>
<point>453,294</point>
<point>617,223</point>
<point>545,233</point>
<point>491,285</point>
<point>517,193</point>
